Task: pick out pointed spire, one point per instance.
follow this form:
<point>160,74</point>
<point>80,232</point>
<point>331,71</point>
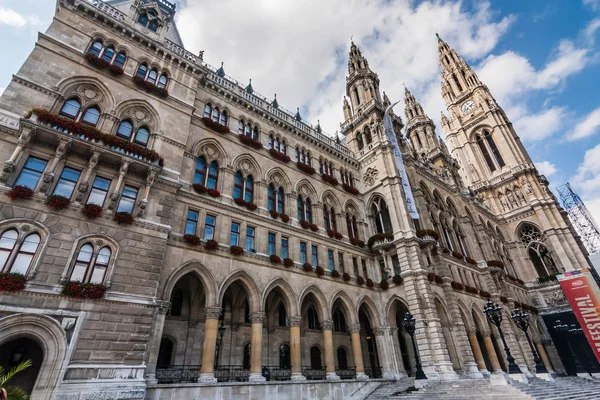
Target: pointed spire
<point>297,116</point>
<point>221,71</point>
<point>318,127</point>
<point>249,88</point>
<point>386,100</point>
<point>438,37</point>
<point>413,108</point>
<point>274,103</point>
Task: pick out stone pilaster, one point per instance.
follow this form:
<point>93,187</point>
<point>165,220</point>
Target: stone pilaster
<point>209,346</point>
<point>327,327</point>
<point>357,351</point>
<point>257,319</point>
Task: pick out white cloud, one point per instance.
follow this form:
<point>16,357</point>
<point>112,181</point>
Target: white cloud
<point>587,126</point>
<point>587,181</point>
<point>13,18</point>
<point>593,4</point>
<point>546,168</point>
<point>533,127</point>
<point>589,32</point>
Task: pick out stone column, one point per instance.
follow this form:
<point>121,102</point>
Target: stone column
<point>154,343</point>
<point>114,196</point>
<point>211,325</point>
<point>9,165</point>
<point>386,352</point>
<point>476,350</point>
<point>542,352</point>
<point>257,319</point>
<point>489,346</point>
<point>295,349</point>
<point>357,352</point>
<point>85,178</point>
<point>327,327</point>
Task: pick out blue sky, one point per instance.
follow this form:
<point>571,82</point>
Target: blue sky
<point>539,58</point>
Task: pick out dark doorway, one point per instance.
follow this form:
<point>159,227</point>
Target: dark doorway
<point>165,353</point>
<point>14,352</point>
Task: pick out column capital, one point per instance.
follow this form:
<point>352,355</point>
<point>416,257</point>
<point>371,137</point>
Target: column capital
<point>327,325</point>
<point>379,331</point>
<point>163,306</point>
<point>354,328</point>
<point>257,317</point>
<point>294,321</point>
<point>212,312</point>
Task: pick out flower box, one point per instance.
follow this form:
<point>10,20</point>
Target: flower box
<point>243,203</point>
<point>483,293</point>
<point>346,276</point>
<point>331,233</point>
<point>116,70</point>
<point>201,189</point>
<point>279,156</point>
<point>357,242</point>
<point>236,250</point>
<point>495,263</point>
<point>288,262</point>
<point>81,290</point>
<point>470,260</point>
<point>397,279</point>
<point>360,280</point>
<point>211,245</point>
<point>284,217</point>
<point>339,236</point>
<point>251,206</point>
<point>215,126</point>
<point>384,285</point>
<point>275,259</point>
<point>431,276</point>
<point>274,214</point>
<point>438,279</point>
<point>12,281</point>
<point>350,189</point>
<point>123,218</point>
<point>79,129</point>
<point>305,168</point>
<point>471,290</point>
<point>92,211</point>
<point>370,283</point>
<point>97,61</point>
<point>422,233</point>
<point>307,267</point>
<point>457,285</point>
<point>314,227</point>
<point>248,141</point>
<point>457,255</point>
<point>20,193</point>
<point>57,202</point>
<point>329,179</point>
<point>150,87</point>
<point>335,274</point>
<point>504,299</point>
<point>305,224</point>
<point>445,250</point>
<point>193,240</point>
<point>320,271</point>
<point>379,237</point>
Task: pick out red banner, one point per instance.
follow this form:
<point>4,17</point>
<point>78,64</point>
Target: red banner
<point>584,296</point>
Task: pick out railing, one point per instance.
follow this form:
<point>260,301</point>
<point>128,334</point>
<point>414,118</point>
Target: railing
<point>346,373</point>
<point>180,51</point>
<point>230,373</point>
<point>177,373</point>
<point>373,372</point>
<point>314,374</point>
<point>276,373</point>
<point>109,10</point>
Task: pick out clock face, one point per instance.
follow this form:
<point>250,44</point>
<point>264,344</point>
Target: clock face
<point>468,106</point>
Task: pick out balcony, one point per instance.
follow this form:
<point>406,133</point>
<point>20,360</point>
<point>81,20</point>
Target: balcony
<point>381,241</point>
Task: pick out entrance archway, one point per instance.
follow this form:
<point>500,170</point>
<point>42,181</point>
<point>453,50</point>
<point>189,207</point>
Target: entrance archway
<point>369,344</point>
<point>402,342</point>
<point>15,351</point>
<point>447,332</point>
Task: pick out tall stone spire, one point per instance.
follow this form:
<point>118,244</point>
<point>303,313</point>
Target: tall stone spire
<point>362,84</point>
<point>457,76</point>
<point>420,129</point>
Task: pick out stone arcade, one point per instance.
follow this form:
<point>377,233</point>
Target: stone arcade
<point>243,261</point>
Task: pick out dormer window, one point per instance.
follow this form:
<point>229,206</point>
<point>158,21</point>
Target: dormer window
<point>149,19</point>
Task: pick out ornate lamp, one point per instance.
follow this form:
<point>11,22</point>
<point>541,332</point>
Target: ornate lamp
<point>493,313</point>
<point>409,325</point>
<point>522,321</point>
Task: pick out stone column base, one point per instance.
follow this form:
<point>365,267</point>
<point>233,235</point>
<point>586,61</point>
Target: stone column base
<point>498,379</point>
<point>361,376</point>
<point>332,376</point>
<point>545,376</point>
<point>519,377</point>
<point>421,383</point>
<point>151,379</point>
<point>594,374</point>
<point>207,378</point>
<point>298,377</point>
<point>256,378</point>
<point>475,374</point>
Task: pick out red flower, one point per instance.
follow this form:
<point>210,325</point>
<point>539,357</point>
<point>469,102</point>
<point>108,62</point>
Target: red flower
<point>421,233</point>
<point>314,227</point>
<point>236,250</point>
<point>57,202</point>
<point>431,276</point>
<point>123,218</point>
<point>346,276</point>
<point>339,236</point>
<point>397,279</point>
<point>247,140</point>
<point>438,279</point>
<point>457,285</point>
<point>193,240</point>
<point>335,274</point>
<point>329,179</point>
<point>320,271</point>
<point>12,282</point>
<point>274,214</point>
<point>470,260</point>
<point>305,224</point>
<point>305,167</point>
<point>458,255</point>
<point>215,126</point>
<point>81,290</point>
<point>288,262</point>
<point>370,283</point>
<point>360,280</point>
<point>20,193</point>
<point>92,211</point>
<point>284,217</point>
<point>275,259</point>
<point>331,233</point>
<point>279,156</point>
<point>495,263</point>
<point>211,245</point>
<point>307,267</point>
<point>384,285</point>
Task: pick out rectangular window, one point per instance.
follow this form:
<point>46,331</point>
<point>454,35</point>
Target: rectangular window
<point>271,244</point>
<point>396,265</point>
<point>31,173</point>
<point>128,197</point>
<point>341,262</point>
<point>66,183</point>
<point>364,268</point>
<point>303,253</point>
<point>191,223</point>
<point>330,260</point>
<point>250,238</point>
<point>209,227</point>
<point>355,265</point>
<point>285,248</point>
<point>315,256</point>
<point>99,191</point>
<point>234,236</point>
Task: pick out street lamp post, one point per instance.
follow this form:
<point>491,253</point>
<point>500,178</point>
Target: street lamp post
<point>409,324</point>
<point>221,333</point>
<point>522,321</point>
<point>493,313</point>
<point>564,331</point>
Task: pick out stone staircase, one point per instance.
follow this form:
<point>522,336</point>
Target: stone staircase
<point>562,388</point>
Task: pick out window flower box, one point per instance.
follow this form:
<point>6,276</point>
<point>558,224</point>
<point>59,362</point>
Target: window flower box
<point>288,262</point>
<point>320,271</point>
<point>380,237</point>
<point>275,259</point>
<point>192,240</point>
<point>384,285</point>
<point>370,283</point>
<point>357,242</point>
<point>81,290</point>
<point>471,290</point>
<point>116,70</point>
<point>305,168</point>
<point>307,267</point>
<point>248,141</point>
<point>495,263</point>
<point>346,276</point>
<point>350,189</point>
<point>331,233</point>
<point>20,193</point>
<point>92,211</point>
<point>215,126</point>
<point>457,255</point>
<point>123,218</point>
<point>211,245</point>
<point>339,236</point>
<point>236,250</point>
<point>97,61</point>
<point>397,279</point>
<point>12,282</point>
<point>335,274</point>
<point>470,260</point>
<point>284,217</point>
<point>274,214</point>
<point>424,233</point>
<point>279,156</point>
<point>431,276</point>
<point>201,189</point>
<point>314,227</point>
<point>439,279</point>
<point>360,280</point>
<point>243,203</point>
<point>483,293</point>
<point>329,179</point>
<point>457,285</point>
<point>57,202</point>
<point>150,87</point>
<point>79,129</point>
<point>305,224</point>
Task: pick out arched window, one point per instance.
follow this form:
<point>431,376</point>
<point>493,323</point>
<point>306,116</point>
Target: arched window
<point>213,175</point>
<point>71,108</point>
<point>300,203</point>
<point>20,262</point>
<point>282,315</point>
<point>120,60</point>
<point>313,318</point>
<point>207,111</point>
<point>280,200</point>
<point>246,311</point>
<point>494,149</point>
<point>162,81</point>
<point>153,25</point>
<point>485,153</point>
<point>368,138</point>
<point>246,362</point>
<point>539,254</point>
<point>326,224</point>
<point>352,226</point>
<point>332,218</point>
<point>142,71</point>
<point>315,358</point>
<point>152,76</point>
<point>255,133</point>
<point>91,116</point>
<point>176,303</point>
<point>7,244</point>
<point>238,186</point>
<point>215,114</point>
<point>249,190</point>
<point>359,141</point>
<point>223,119</point>
<point>382,216</point>
<point>271,198</point>
<point>100,266</point>
<point>143,19</point>
<point>200,174</point>
<point>339,321</point>
<point>342,358</point>
<point>90,267</point>
<point>108,54</point>
<point>308,211</point>
<point>165,353</point>
<point>284,357</point>
<point>276,144</point>
<point>241,128</point>
<point>248,130</point>
<point>141,136</point>
<point>95,48</point>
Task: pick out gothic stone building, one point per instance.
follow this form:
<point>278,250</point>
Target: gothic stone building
<point>257,244</point>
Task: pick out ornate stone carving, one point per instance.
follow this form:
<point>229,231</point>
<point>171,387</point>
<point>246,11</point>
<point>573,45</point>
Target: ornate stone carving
<point>379,331</point>
<point>163,306</point>
<point>354,328</point>
<point>327,325</point>
<point>257,317</point>
<point>212,312</point>
<point>370,176</point>
<point>294,321</point>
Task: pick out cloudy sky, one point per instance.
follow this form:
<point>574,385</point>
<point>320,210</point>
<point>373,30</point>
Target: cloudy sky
<point>540,59</point>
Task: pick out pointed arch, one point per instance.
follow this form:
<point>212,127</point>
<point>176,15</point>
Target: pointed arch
<point>286,292</point>
<point>390,307</point>
<point>333,200</point>
<point>349,203</point>
<point>465,314</point>
<point>219,152</point>
<point>347,306</point>
<point>305,184</point>
<point>245,280</point>
<point>322,308</point>
<point>203,274</point>
<point>278,173</point>
<point>371,310</point>
<point>248,165</point>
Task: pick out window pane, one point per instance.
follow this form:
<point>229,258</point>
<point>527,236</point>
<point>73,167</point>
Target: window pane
<point>108,54</point>
<point>152,76</point>
<point>213,174</point>
<point>125,129</point>
<point>284,248</point>
<point>271,249</point>
<point>141,72</point>
<point>141,137</point>
<point>249,238</point>
<point>71,108</point>
<point>234,238</point>
<point>143,19</point>
<point>91,116</point>
<point>66,183</point>
<point>21,264</point>
<point>330,260</point>
<point>78,272</point>
<point>192,222</point>
<point>30,243</point>
<point>153,26</point>
<point>207,111</point>
<point>8,239</point>
<point>96,48</point>
<point>98,274</point>
<point>302,252</point>
<point>209,227</point>
<point>3,258</point>
<point>162,81</point>
<point>103,256</point>
<point>99,191</point>
<point>127,202</point>
<point>85,253</point>
<point>120,60</point>
<point>315,256</point>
